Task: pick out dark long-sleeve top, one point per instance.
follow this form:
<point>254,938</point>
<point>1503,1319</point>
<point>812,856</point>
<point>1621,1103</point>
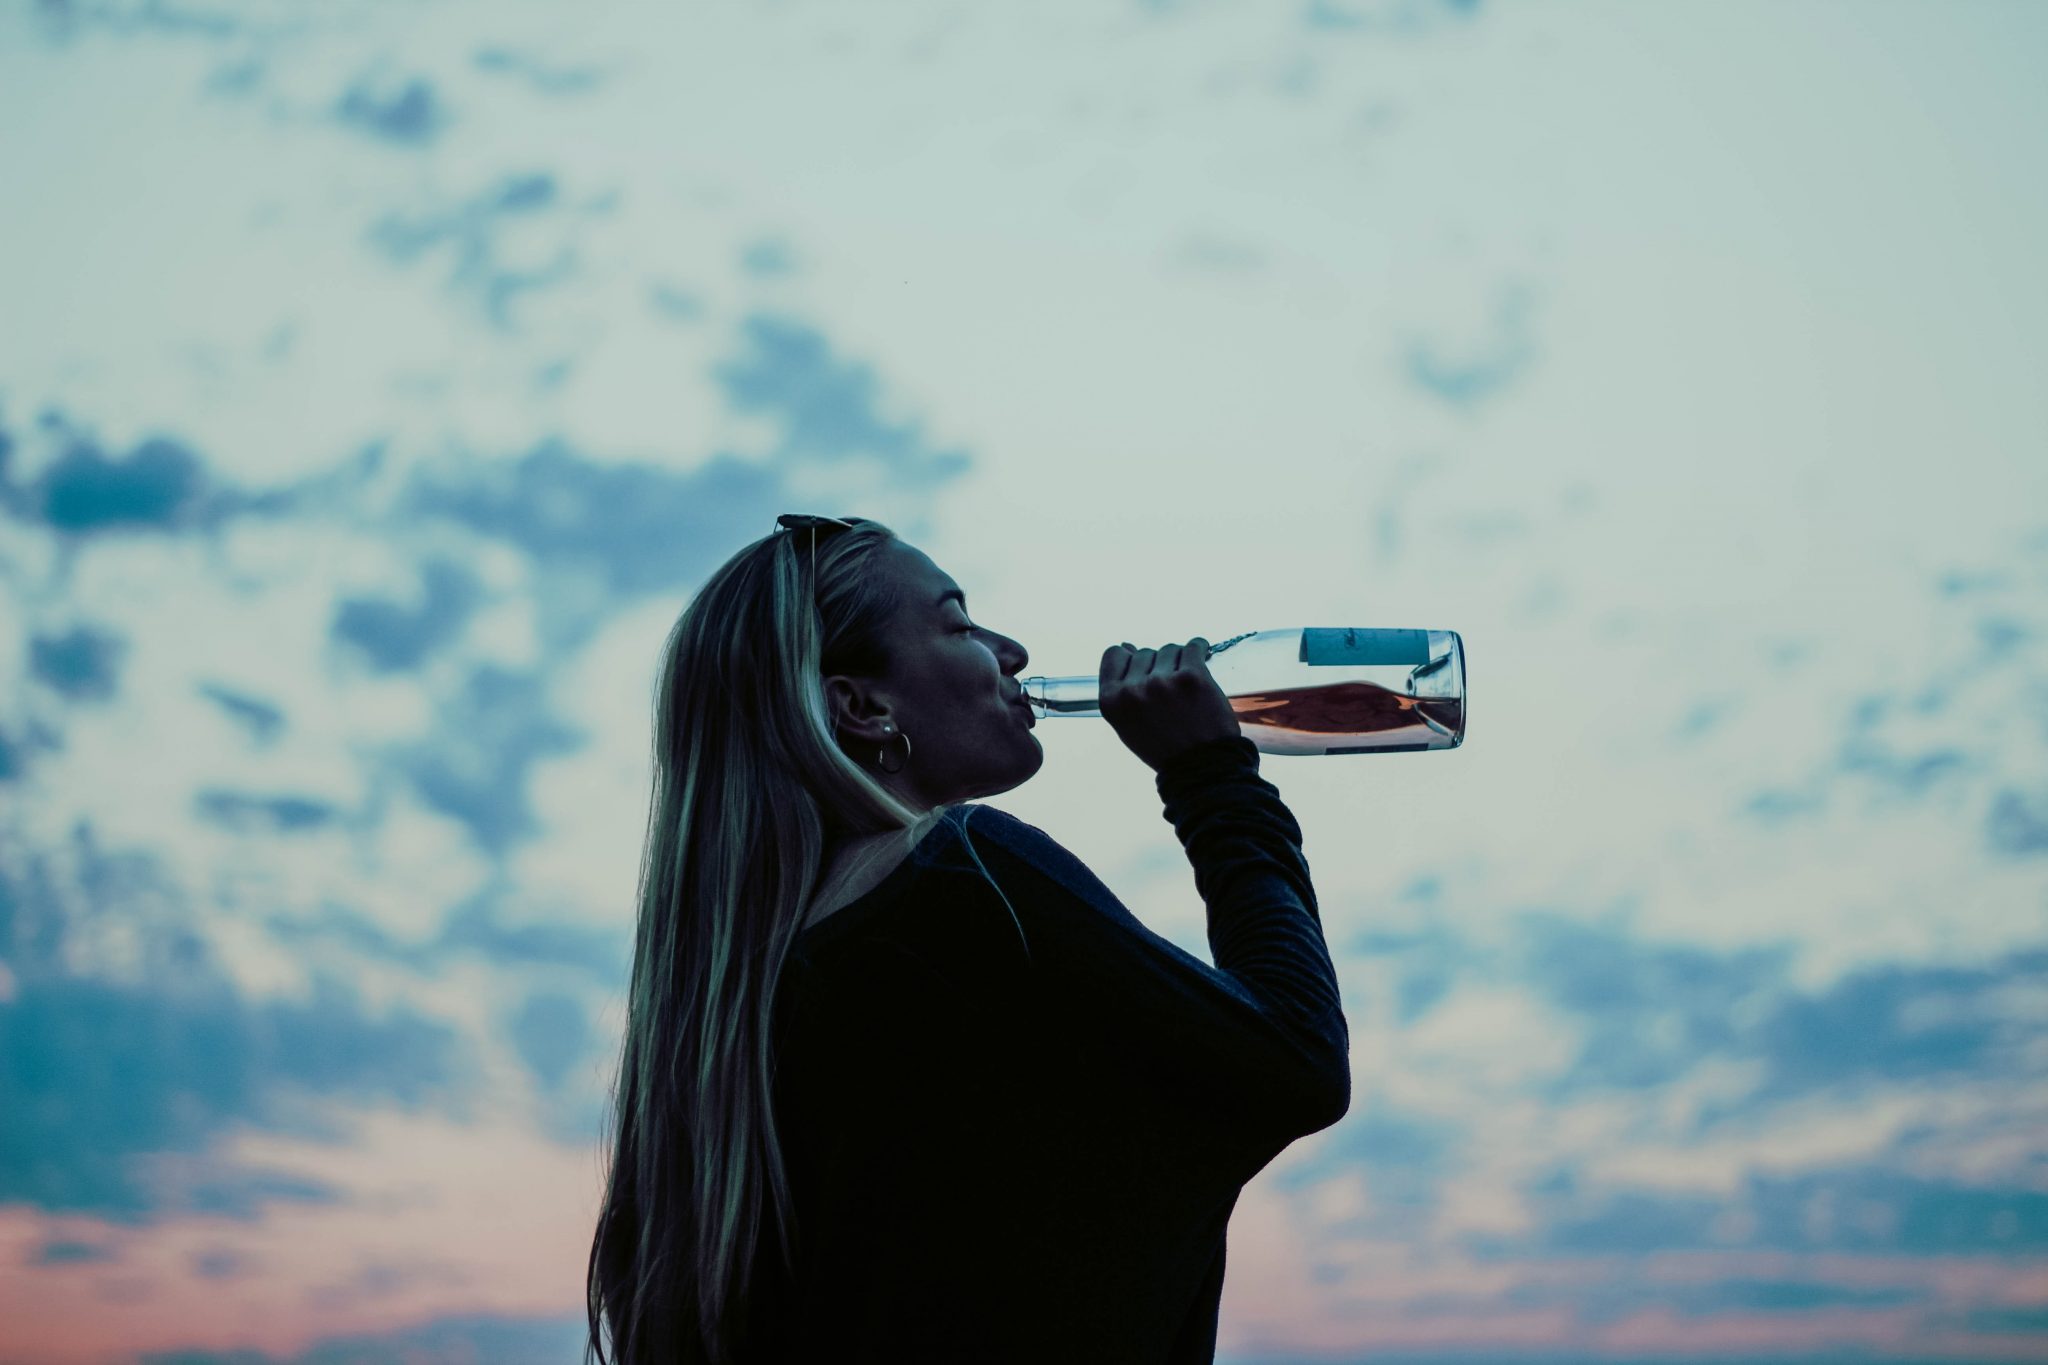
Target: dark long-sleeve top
<point>999,1157</point>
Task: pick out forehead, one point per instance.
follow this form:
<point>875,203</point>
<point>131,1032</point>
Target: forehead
<point>920,580</point>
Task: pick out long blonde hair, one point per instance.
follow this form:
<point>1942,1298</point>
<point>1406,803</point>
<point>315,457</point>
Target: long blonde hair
<point>751,791</point>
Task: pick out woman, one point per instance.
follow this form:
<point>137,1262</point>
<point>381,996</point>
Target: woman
<point>890,1092</point>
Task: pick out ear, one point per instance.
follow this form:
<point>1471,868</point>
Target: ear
<point>857,709</point>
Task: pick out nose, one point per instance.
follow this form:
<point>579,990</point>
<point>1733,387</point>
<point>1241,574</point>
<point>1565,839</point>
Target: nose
<point>1012,655</point>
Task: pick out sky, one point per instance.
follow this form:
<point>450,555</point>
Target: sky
<point>380,379</point>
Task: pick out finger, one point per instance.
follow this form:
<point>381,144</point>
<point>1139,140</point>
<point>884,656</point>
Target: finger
<point>1195,654</point>
<point>1169,659</point>
<point>1142,664</point>
<point>1116,664</point>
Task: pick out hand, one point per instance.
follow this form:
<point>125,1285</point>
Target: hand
<point>1163,702</point>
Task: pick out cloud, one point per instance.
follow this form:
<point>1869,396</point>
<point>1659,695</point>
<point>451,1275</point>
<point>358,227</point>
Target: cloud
<point>828,406</point>
<point>1652,1013</point>
<point>473,930</point>
<point>81,664</point>
<point>551,1032</point>
<point>675,303</point>
<point>160,486</point>
<point>646,528</point>
<point>2018,824</point>
<point>1469,379</point>
<point>476,237</point>
<point>642,527</point>
<point>536,73</point>
<point>473,766</point>
<point>157,485</point>
<point>263,721</point>
<point>65,1251</point>
<point>1896,1024</point>
<point>767,258</point>
<point>1401,17</point>
<point>121,1075</point>
<point>401,110</point>
<point>1862,1209</point>
<point>394,636</point>
<point>501,1340</point>
<point>477,927</point>
<point>250,814</point>
<point>64,19</point>
<point>98,1074</point>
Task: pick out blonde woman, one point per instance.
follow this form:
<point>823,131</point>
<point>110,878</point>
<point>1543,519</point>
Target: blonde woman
<point>902,1080</point>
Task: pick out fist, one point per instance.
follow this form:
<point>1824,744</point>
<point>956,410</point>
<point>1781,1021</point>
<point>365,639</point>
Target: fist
<point>1162,702</point>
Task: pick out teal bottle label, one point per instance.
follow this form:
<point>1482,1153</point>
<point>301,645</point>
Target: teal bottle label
<point>1339,646</point>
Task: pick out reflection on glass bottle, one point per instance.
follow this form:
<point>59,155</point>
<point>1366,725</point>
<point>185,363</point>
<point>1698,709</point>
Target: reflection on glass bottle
<point>1320,690</point>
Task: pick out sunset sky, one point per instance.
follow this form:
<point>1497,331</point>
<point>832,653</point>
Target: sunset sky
<point>379,378</point>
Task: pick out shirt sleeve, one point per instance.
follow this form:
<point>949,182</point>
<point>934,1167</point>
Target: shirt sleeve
<point>1264,925</point>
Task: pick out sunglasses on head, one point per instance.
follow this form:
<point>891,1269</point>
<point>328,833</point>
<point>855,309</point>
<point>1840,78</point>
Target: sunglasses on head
<point>797,521</point>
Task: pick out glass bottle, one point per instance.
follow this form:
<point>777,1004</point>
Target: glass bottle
<point>1315,690</point>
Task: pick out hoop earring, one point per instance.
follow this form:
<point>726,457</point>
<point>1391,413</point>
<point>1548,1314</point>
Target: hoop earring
<point>882,753</point>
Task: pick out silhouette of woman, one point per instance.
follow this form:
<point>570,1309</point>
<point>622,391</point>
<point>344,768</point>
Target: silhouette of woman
<point>889,1092</point>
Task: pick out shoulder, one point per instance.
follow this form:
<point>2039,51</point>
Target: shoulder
<point>1028,844</point>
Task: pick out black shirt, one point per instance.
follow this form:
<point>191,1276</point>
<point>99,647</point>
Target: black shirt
<point>1004,1150</point>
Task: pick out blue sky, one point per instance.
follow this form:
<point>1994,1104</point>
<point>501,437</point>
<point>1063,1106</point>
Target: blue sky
<point>383,377</point>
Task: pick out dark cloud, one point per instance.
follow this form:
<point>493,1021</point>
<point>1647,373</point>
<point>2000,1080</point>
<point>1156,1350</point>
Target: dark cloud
<point>643,527</point>
<point>499,1340</point>
<point>646,528</point>
<point>536,73</point>
<point>551,1033</point>
<point>473,768</point>
<point>2018,824</point>
<point>263,721</point>
<point>66,19</point>
<point>477,928</point>
<point>158,486</point>
<point>1895,1024</point>
<point>219,1264</point>
<point>1426,963</point>
<point>828,406</point>
<point>397,109</point>
<point>394,636</point>
<point>1404,1157</point>
<point>1650,1012</point>
<point>99,1074</point>
<point>69,1252</point>
<point>675,303</point>
<point>1468,379</point>
<point>2001,1320</point>
<point>250,814</point>
<point>1859,1209</point>
<point>1653,1012</point>
<point>767,258</point>
<point>472,930</point>
<point>13,757</point>
<point>1393,18</point>
<point>82,664</point>
<point>467,237</point>
<point>119,1090</point>
<point>1864,753</point>
<point>1717,1298</point>
<point>1625,1291</point>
